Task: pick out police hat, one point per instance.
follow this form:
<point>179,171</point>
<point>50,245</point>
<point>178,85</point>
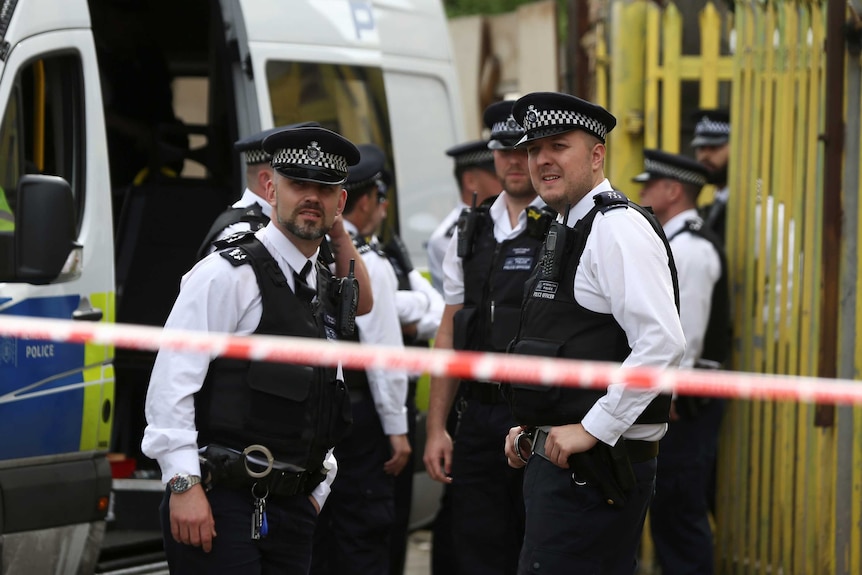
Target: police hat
<point>369,169</point>
<point>473,154</point>
<point>252,146</point>
<point>311,154</point>
<point>544,114</point>
<point>711,128</point>
<point>659,165</point>
<point>505,131</point>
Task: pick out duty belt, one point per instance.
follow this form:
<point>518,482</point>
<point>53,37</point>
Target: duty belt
<point>487,392</point>
<point>637,450</point>
<point>255,466</point>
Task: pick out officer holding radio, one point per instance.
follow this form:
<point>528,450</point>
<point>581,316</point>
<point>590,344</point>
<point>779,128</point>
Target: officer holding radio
<point>605,290</point>
<point>245,447</point>
<point>488,260</point>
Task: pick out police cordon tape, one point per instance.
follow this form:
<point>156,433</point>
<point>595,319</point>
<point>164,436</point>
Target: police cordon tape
<point>465,365</point>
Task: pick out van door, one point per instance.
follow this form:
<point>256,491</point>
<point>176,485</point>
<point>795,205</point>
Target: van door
<point>55,397</point>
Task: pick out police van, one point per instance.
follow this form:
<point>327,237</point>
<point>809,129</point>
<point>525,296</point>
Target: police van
<point>118,118</point>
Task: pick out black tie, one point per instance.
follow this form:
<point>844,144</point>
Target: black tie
<point>302,290</point>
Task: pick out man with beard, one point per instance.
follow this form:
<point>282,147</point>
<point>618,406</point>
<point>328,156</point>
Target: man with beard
<point>488,260</point>
<point>605,290</point>
<point>245,447</point>
<point>711,145</point>
<point>251,211</point>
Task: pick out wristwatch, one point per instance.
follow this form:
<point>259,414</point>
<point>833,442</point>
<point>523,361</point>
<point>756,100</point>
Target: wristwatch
<point>182,482</point>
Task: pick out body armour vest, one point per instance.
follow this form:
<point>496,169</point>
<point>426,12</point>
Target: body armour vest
<point>297,411</point>
<point>717,339</point>
<point>495,275</point>
<point>252,215</point>
<point>553,324</point>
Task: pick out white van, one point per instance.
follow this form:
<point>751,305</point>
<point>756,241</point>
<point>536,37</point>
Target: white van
<point>118,118</point>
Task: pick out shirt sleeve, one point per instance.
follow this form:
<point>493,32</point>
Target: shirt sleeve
<point>324,488</point>
<point>429,322</point>
<point>453,274</point>
<point>626,261</point>
<point>214,297</point>
<point>698,267</point>
<point>381,327</point>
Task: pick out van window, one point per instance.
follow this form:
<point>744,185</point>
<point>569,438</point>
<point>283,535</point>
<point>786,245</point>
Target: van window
<point>43,126</point>
<point>349,100</point>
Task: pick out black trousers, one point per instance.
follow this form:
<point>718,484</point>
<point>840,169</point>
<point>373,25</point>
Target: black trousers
<point>286,550</point>
<point>679,514</point>
<point>354,529</point>
<point>571,529</point>
<point>486,494</point>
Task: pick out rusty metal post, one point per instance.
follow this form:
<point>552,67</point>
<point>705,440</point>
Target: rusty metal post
<point>836,13</point>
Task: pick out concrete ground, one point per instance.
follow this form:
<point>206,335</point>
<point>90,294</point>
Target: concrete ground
<point>418,553</point>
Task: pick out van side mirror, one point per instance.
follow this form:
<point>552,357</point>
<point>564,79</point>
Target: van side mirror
<point>45,231</point>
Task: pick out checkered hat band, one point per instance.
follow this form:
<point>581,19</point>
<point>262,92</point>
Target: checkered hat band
<point>506,130</point>
<point>256,157</point>
<point>559,118</point>
<point>475,158</point>
<point>671,171</point>
<point>300,157</point>
<point>707,126</point>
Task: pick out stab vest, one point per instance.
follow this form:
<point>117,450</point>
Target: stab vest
<point>252,215</point>
<point>553,324</point>
<point>494,278</point>
<point>297,411</point>
<point>716,341</point>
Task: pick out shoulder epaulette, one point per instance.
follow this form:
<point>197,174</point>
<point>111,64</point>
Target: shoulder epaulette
<point>610,200</point>
<point>360,244</point>
<point>237,255</point>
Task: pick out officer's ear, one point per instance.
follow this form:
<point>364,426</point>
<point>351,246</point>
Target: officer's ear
<point>263,176</point>
<point>597,155</point>
<point>269,191</point>
<point>342,201</point>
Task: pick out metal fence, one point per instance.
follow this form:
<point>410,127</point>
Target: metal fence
<point>790,475</point>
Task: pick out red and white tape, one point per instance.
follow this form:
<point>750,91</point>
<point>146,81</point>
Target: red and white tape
<point>466,365</point>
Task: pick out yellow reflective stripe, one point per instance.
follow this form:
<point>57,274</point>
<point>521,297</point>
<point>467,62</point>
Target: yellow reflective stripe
<point>95,428</point>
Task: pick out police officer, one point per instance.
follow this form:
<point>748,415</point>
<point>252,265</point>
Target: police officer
<point>475,174</point>
<point>419,308</point>
<point>604,290</point>
<point>248,500</point>
<point>679,514</point>
<point>354,531</point>
<point>711,145</point>
<point>251,211</point>
<point>492,252</point>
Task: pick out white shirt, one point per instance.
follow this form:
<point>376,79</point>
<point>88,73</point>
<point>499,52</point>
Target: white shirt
<point>215,296</point>
<point>248,198</point>
<point>381,326</point>
<point>438,244</point>
<point>624,272</point>
<point>698,267</point>
<point>453,271</point>
<point>421,304</point>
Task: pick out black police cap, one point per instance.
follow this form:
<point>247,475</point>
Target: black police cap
<point>472,154</point>
<point>658,165</point>
<point>369,169</point>
<point>711,127</point>
<point>252,146</point>
<point>544,114</point>
<point>311,154</point>
<point>505,130</point>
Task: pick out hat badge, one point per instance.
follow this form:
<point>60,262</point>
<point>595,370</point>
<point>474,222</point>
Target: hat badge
<point>511,124</point>
<point>531,117</point>
<point>313,151</point>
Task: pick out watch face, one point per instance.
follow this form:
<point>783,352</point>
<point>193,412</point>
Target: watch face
<point>180,483</point>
